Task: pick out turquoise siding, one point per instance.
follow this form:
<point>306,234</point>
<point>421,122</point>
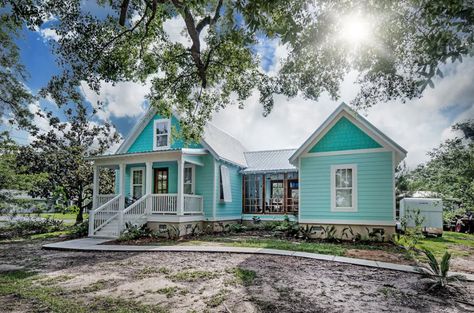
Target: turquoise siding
<point>205,183</point>
<point>193,159</point>
<point>344,135</point>
<point>172,176</point>
<point>144,141</point>
<point>375,187</point>
<point>234,208</point>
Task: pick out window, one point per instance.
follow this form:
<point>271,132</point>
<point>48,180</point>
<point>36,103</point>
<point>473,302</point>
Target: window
<point>344,188</point>
<point>188,183</point>
<point>225,192</point>
<point>161,180</point>
<point>161,134</point>
<point>137,185</point>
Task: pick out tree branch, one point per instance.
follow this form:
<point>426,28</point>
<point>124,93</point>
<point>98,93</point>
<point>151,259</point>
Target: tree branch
<point>123,12</point>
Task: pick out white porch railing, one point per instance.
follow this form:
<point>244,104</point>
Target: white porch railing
<point>164,203</point>
<point>103,199</point>
<point>136,213</point>
<point>105,213</point>
<point>193,204</point>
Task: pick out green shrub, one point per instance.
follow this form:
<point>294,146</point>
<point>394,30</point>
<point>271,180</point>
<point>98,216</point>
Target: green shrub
<point>288,228</point>
<point>80,230</point>
<point>236,228</point>
<point>28,227</point>
<point>133,232</point>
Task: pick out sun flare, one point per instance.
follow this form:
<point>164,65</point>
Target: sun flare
<point>355,29</point>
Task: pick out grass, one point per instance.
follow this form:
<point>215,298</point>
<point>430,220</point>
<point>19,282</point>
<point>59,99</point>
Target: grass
<point>191,276</point>
<point>217,299</point>
<point>23,285</point>
<point>56,216</point>
<point>458,244</point>
<point>244,276</point>
<point>281,244</point>
<point>172,291</point>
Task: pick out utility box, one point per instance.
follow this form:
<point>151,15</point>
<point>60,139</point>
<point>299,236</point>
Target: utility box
<point>430,208</point>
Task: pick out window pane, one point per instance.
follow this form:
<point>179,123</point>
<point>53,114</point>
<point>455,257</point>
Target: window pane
<point>338,177</point>
<point>349,177</point>
<point>137,191</point>
<point>162,128</point>
<point>162,140</point>
<point>188,188</point>
<point>344,198</point>
<point>137,177</point>
<point>188,175</point>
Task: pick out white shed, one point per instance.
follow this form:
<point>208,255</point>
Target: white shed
<point>430,208</point>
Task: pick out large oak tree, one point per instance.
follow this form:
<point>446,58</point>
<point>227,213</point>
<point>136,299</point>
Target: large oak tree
<point>408,42</point>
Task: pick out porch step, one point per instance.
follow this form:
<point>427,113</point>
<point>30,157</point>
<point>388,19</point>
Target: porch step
<point>108,231</point>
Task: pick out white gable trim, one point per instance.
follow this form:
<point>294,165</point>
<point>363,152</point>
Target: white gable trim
<point>136,131</point>
<point>359,121</point>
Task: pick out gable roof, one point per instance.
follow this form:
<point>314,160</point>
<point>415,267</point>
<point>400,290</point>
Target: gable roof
<point>344,110</point>
<point>269,161</point>
<point>220,144</point>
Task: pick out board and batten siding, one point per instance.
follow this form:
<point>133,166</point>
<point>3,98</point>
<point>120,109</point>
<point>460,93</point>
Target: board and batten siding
<point>374,187</point>
<point>204,185</point>
<point>144,141</point>
<point>229,209</point>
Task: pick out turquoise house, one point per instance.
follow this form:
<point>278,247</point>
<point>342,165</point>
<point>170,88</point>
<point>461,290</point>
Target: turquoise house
<point>342,175</point>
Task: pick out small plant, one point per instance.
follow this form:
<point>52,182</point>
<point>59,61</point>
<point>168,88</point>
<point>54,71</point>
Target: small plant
<point>346,231</point>
<point>133,232</point>
<point>376,234</point>
<point>256,220</point>
<point>288,228</point>
<point>330,232</point>
<point>28,227</point>
<point>236,228</point>
<point>190,276</point>
<point>306,232</point>
<point>437,272</point>
<point>411,235</point>
<point>80,230</point>
<point>244,276</point>
<point>173,232</point>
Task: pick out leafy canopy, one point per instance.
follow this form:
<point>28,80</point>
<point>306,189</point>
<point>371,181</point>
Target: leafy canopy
<point>222,64</point>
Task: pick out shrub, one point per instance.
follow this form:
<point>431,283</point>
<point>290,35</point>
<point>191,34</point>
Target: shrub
<point>288,228</point>
<point>236,228</point>
<point>437,272</point>
<point>330,232</point>
<point>28,227</point>
<point>306,232</point>
<point>133,232</point>
<point>80,230</point>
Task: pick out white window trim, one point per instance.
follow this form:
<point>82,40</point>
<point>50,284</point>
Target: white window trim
<point>137,169</point>
<point>334,168</point>
<point>193,178</point>
<point>168,122</point>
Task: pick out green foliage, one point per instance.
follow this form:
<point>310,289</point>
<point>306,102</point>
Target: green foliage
<point>236,228</point>
<point>330,232</point>
<point>29,227</point>
<point>190,276</point>
<point>80,230</point>
<point>244,276</point>
<point>305,232</point>
<point>287,227</point>
<point>134,232</point>
<point>222,63</point>
<point>411,235</point>
<point>62,152</point>
<point>437,272</point>
<point>450,170</point>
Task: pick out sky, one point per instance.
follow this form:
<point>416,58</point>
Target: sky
<point>418,125</point>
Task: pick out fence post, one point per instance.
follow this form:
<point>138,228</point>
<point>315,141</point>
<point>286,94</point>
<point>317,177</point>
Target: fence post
<point>120,222</point>
<point>91,222</point>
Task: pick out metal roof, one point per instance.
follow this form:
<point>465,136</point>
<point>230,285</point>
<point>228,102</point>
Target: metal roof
<point>269,161</point>
<point>223,146</point>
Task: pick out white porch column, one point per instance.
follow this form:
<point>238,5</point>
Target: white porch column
<point>122,185</point>
<point>180,202</point>
<point>95,187</point>
<point>148,184</point>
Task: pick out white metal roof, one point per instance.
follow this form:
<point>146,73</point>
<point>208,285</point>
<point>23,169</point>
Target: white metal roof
<point>269,161</point>
<point>223,146</point>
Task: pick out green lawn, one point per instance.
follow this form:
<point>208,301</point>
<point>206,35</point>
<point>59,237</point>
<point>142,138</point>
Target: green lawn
<point>458,244</point>
<point>57,216</point>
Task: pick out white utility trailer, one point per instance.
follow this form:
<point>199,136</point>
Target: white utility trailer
<point>430,208</point>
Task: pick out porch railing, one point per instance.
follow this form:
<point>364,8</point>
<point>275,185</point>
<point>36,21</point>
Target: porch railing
<point>193,204</point>
<point>103,199</point>
<point>105,213</point>
<point>166,203</point>
<point>136,213</point>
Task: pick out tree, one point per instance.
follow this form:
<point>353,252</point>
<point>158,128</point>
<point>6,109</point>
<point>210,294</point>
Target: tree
<point>408,41</point>
<point>61,152</point>
<point>14,96</point>
<point>450,170</point>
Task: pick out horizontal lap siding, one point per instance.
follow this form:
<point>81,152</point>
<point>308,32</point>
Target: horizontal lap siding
<point>144,141</point>
<point>205,183</point>
<point>375,187</point>
<point>234,208</point>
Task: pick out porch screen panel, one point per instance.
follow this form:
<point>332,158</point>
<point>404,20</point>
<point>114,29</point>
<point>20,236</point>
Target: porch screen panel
<point>253,188</point>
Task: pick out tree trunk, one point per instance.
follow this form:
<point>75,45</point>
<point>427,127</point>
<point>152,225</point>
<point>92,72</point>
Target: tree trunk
<point>80,217</point>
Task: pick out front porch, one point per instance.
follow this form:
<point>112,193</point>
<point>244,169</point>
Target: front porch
<point>159,186</point>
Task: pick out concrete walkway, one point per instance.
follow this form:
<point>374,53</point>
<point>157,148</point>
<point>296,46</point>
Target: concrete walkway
<point>95,244</point>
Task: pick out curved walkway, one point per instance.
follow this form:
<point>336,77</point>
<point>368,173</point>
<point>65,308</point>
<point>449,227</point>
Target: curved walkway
<point>95,244</point>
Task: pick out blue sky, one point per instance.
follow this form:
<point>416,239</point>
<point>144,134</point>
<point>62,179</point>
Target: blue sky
<point>418,125</point>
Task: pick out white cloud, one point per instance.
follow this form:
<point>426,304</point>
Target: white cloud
<point>175,29</point>
<point>124,99</point>
<point>49,34</point>
<point>418,125</point>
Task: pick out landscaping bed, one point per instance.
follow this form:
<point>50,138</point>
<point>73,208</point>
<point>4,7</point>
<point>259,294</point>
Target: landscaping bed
<point>33,280</point>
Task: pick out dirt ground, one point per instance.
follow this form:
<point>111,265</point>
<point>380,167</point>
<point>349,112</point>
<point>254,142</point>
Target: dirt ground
<point>210,282</point>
